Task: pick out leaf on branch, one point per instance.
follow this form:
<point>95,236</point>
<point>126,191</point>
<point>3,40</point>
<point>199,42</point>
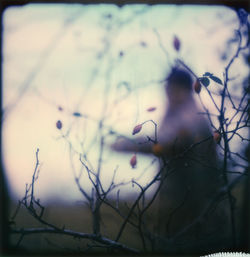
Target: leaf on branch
<point>205,81</point>
<point>59,124</point>
<point>137,129</point>
<point>207,74</point>
<point>176,43</point>
<point>151,109</point>
<point>133,161</point>
<point>77,114</point>
<point>216,79</point>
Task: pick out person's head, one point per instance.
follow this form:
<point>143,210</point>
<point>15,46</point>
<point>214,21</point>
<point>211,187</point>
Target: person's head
<point>178,85</point>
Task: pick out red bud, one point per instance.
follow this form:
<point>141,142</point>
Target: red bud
<point>217,137</point>
<point>197,86</point>
<point>158,149</point>
<point>151,109</point>
<point>177,43</point>
<point>137,129</point>
<point>133,161</point>
<point>59,124</point>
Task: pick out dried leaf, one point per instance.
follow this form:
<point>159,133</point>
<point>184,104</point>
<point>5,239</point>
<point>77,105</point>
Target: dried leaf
<point>133,161</point>
<point>59,124</point>
<point>137,129</point>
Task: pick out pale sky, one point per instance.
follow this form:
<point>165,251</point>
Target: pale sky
<point>83,58</point>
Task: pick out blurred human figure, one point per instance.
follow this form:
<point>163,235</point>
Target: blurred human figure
<point>190,179</point>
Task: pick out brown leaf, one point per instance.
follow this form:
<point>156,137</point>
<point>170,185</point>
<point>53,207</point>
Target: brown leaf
<point>137,129</point>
